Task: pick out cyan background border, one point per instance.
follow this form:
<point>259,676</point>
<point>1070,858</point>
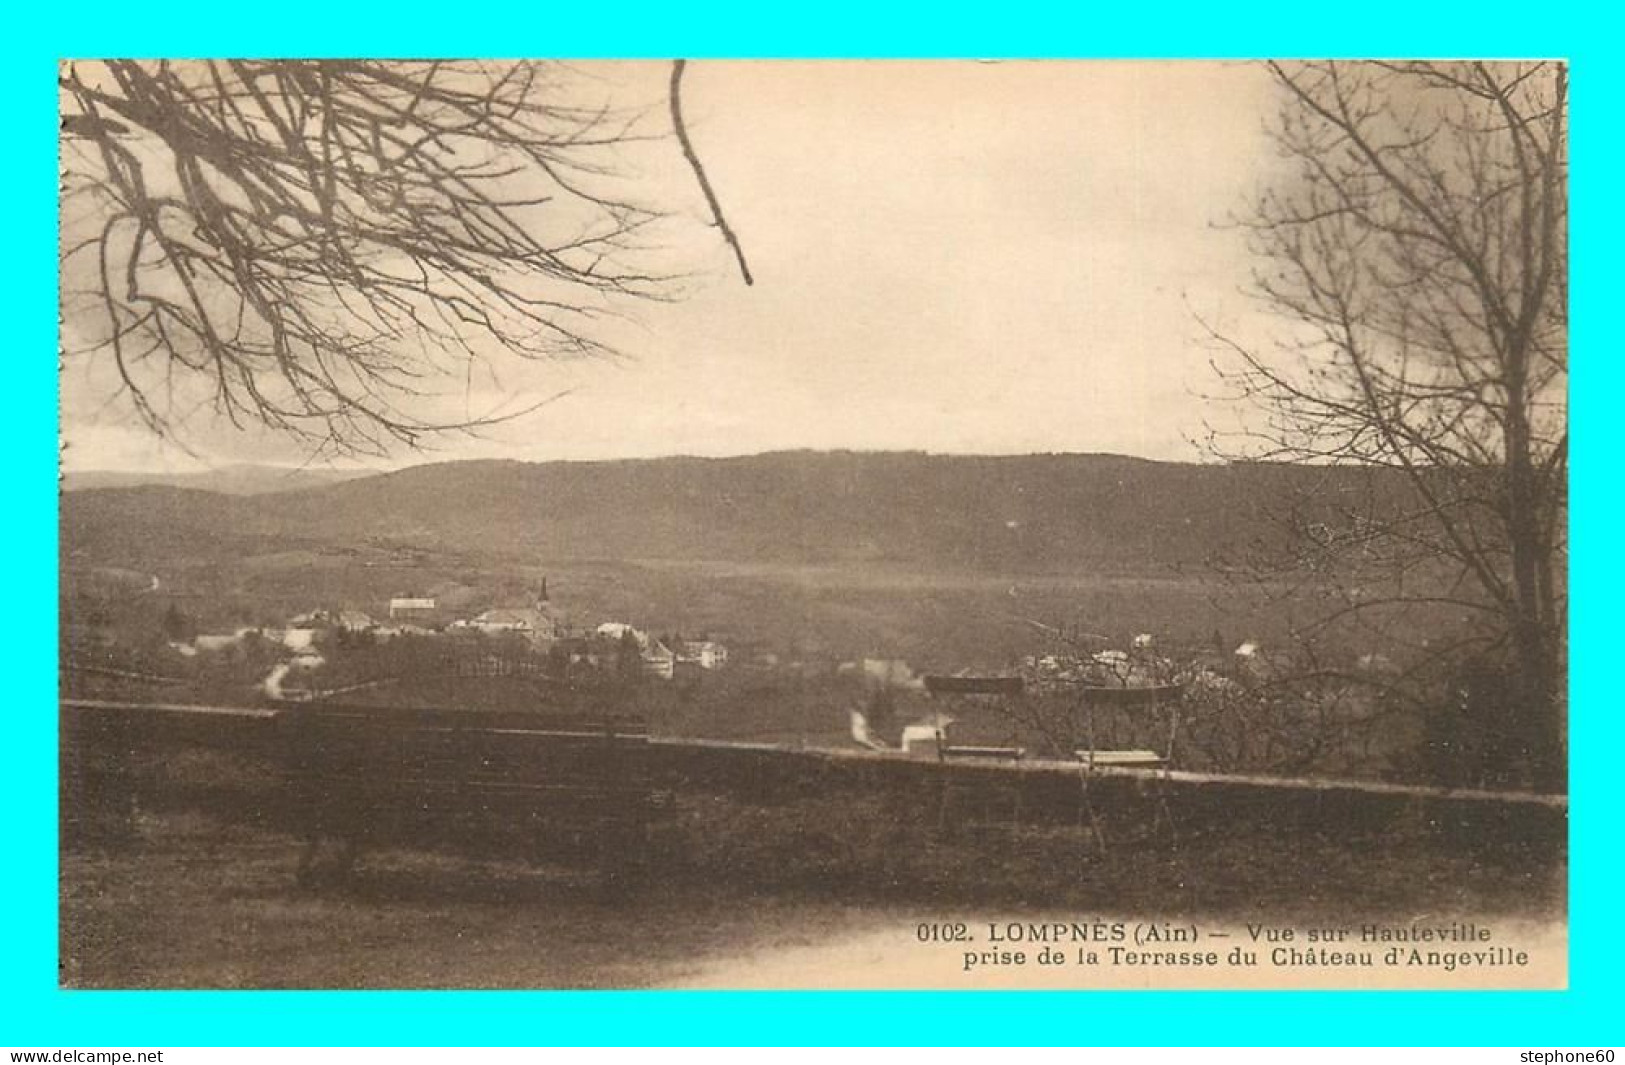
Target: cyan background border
<point>33,1012</point>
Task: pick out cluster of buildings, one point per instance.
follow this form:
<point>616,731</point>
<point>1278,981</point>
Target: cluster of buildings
<point>541,624</point>
<point>610,642</point>
<point>1141,666</point>
<point>610,645</point>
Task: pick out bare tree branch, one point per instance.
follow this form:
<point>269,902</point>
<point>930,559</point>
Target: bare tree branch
<point>676,97</point>
<point>320,246</point>
<point>1419,256</point>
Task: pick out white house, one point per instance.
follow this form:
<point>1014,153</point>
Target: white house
<point>659,660</point>
<point>406,606</point>
<point>537,623</point>
<point>507,619</point>
<point>298,639</point>
<point>224,642</point>
<point>707,654</point>
<point>355,621</point>
<point>615,630</point>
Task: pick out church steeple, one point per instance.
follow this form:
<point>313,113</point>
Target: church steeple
<point>552,623</point>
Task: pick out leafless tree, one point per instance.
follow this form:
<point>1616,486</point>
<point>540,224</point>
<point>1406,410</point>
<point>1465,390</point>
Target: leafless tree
<point>1416,244</point>
<point>317,246</point>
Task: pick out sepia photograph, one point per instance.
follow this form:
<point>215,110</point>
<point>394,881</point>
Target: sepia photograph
<point>813,524</point>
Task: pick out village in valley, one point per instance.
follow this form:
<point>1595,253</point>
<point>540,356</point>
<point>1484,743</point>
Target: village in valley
<point>534,629</point>
<point>512,644</point>
<point>341,648</point>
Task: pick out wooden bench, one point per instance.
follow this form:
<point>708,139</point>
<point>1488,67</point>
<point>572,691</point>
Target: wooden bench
<point>1003,754</point>
<point>520,785</point>
<point>1129,759</point>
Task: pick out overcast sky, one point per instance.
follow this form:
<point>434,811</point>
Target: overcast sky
<point>953,257</point>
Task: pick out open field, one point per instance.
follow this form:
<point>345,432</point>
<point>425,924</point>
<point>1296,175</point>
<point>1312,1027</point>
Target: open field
<point>179,866</point>
<point>760,850</point>
<point>935,619</point>
<point>195,903</point>
<point>199,906</point>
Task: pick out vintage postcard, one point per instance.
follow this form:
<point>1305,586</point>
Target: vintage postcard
<point>813,524</point>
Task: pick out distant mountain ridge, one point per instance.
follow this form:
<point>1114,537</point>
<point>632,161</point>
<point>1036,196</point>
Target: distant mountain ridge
<point>1018,513</point>
<point>238,479</point>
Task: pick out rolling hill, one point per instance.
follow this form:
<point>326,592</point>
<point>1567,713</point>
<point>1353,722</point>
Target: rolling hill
<point>239,479</point>
<point>1023,514</point>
